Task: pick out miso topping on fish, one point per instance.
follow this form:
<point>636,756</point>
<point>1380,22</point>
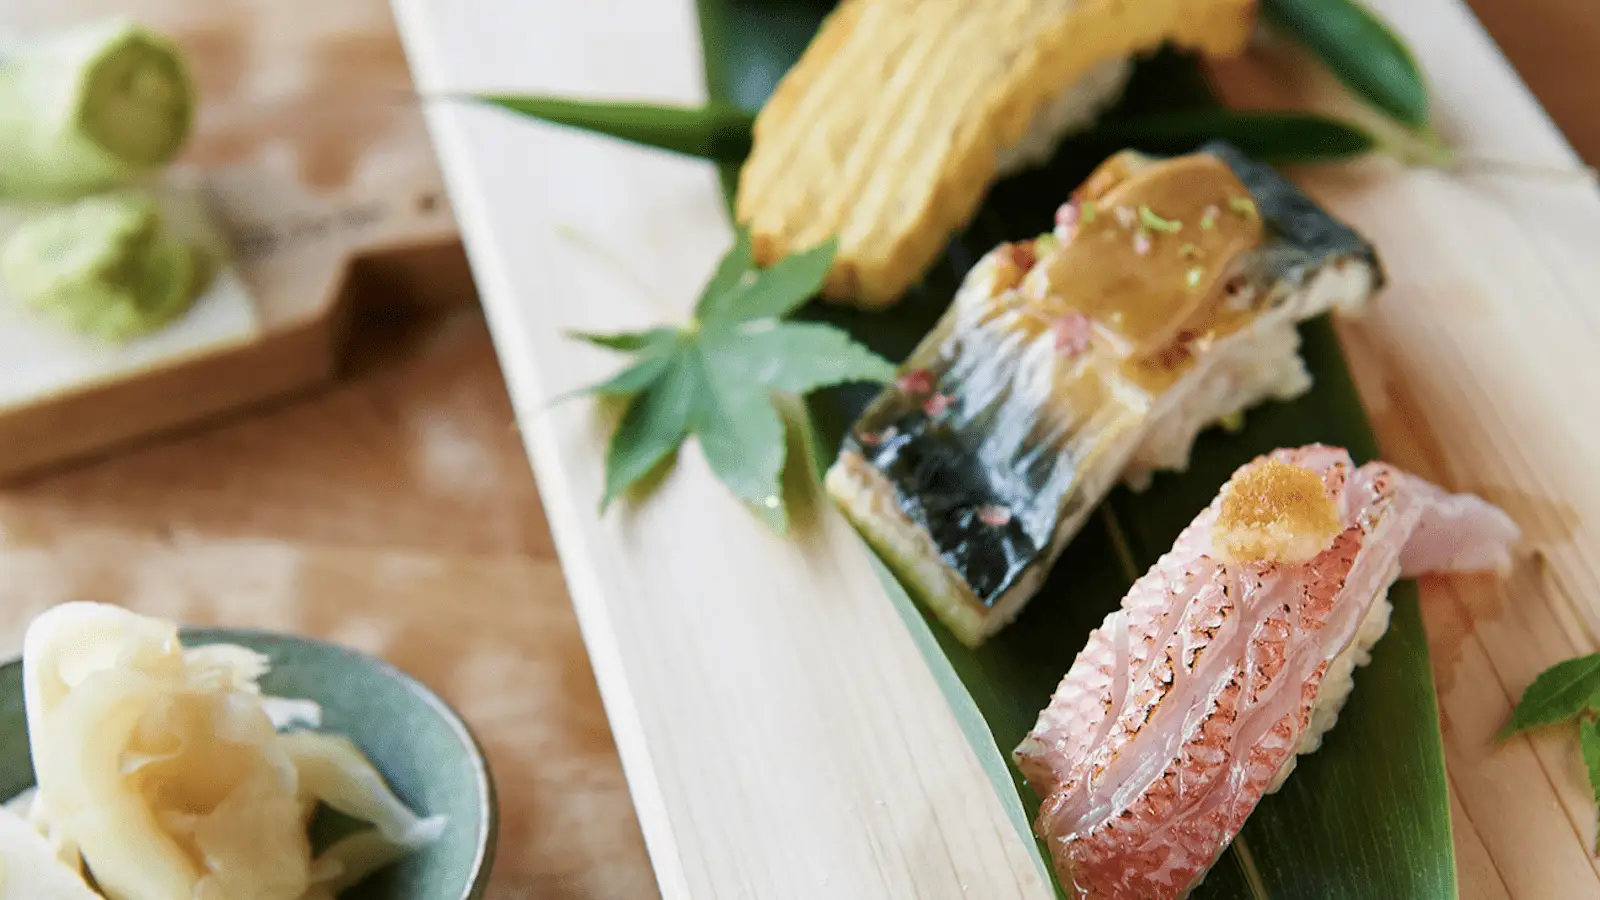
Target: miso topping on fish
<point>1229,658</point>
<point>1164,300</point>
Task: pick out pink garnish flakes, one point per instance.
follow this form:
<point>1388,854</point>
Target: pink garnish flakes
<point>878,438</point>
<point>1141,242</point>
<point>1072,333</point>
<point>916,381</point>
<point>1240,294</point>
<point>994,516</point>
<point>937,405</point>
<point>1125,216</point>
<point>1022,255</point>
<point>1067,215</point>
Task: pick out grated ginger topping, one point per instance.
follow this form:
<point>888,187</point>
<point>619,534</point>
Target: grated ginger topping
<point>1274,512</point>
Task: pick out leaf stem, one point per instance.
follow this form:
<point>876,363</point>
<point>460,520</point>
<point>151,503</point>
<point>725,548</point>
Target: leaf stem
<point>1491,166</point>
<point>1247,864</point>
<point>1119,543</point>
<point>1424,149</point>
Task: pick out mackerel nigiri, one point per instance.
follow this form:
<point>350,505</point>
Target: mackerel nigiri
<point>1230,657</point>
<point>1165,301</point>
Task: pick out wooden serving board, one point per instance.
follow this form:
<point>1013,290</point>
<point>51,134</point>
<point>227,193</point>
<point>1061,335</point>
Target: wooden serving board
<point>781,736</point>
<point>316,166</point>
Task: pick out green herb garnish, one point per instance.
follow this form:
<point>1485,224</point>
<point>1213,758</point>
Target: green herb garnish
<point>1244,206</point>
<point>1150,220</point>
<point>1086,212</point>
<point>1362,51</point>
<point>1565,692</point>
<point>714,377</point>
<point>1193,276</point>
<point>1188,251</point>
<point>1561,693</point>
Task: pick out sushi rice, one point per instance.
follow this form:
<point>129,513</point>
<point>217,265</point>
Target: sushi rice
<point>1073,110</point>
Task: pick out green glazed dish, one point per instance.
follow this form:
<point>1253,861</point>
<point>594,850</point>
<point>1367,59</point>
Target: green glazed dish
<point>424,750</point>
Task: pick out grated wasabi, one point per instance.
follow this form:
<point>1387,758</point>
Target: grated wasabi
<point>105,266</point>
<point>90,108</point>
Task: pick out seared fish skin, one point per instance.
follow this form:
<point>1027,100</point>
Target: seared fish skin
<point>1166,301</point>
<point>892,125</point>
<point>1193,699</point>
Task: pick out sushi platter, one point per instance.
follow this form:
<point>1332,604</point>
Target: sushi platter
<point>800,715</point>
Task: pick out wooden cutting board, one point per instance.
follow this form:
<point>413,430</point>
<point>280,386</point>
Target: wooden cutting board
<point>314,162</point>
<point>781,735</point>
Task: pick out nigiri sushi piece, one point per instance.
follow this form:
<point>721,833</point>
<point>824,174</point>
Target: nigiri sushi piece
<point>1165,300</point>
<point>1229,658</point>
<point>892,125</point>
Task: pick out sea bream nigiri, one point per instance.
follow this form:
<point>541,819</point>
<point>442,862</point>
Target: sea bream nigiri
<point>1165,300</point>
<point>1230,657</point>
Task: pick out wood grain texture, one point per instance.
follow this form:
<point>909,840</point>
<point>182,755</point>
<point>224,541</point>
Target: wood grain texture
<point>314,156</point>
<point>1474,368</point>
<point>1555,46</point>
<point>781,734</point>
<point>394,513</point>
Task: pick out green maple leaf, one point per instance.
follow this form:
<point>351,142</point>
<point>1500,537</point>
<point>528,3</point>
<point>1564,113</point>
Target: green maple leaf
<point>714,377</point>
<point>1561,693</point>
<point>1589,741</point>
<point>1566,691</point>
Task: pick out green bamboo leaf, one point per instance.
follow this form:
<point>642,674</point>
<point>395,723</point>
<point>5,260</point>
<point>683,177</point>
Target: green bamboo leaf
<point>1589,741</point>
<point>1369,58</point>
<point>1276,137</point>
<point>1561,693</point>
<point>716,131</point>
<point>653,426</point>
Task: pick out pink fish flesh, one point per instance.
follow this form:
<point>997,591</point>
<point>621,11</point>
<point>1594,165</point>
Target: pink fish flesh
<point>1192,700</point>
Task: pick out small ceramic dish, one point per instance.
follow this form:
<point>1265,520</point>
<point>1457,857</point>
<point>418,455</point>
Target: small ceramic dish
<point>421,746</point>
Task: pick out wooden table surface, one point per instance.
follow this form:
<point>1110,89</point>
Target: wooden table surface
<point>396,512</point>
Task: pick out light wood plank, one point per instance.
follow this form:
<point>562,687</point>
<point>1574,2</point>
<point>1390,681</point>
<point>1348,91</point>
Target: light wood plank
<point>781,735</point>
